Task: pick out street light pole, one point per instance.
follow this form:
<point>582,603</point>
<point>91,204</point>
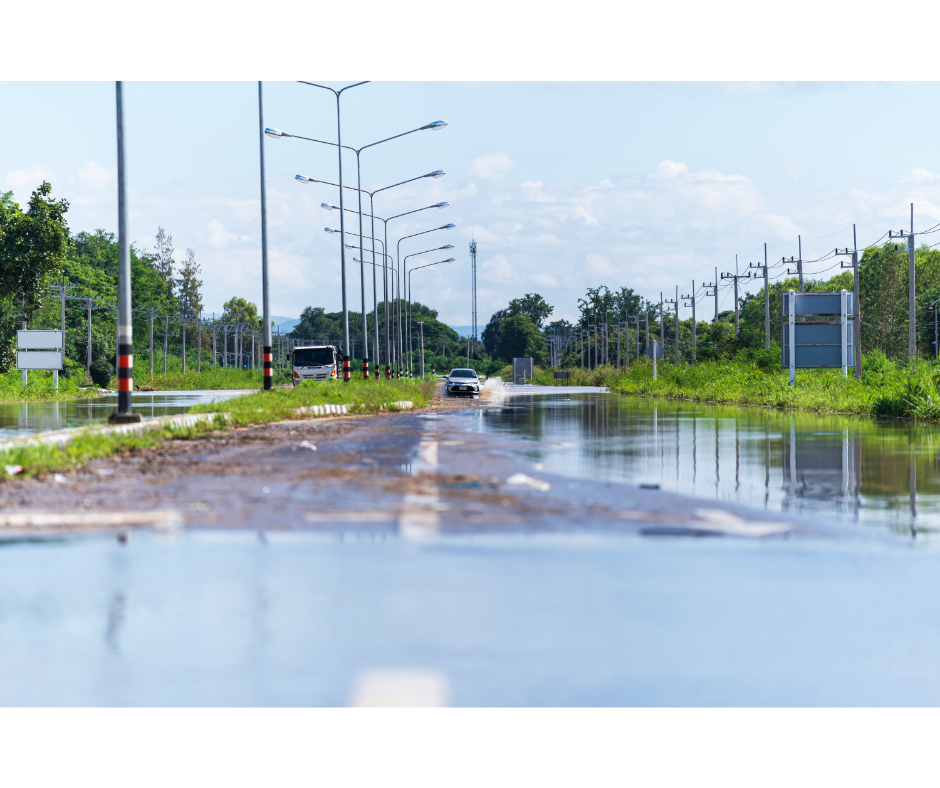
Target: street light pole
<point>409,273</point>
<point>342,226</point>
<point>411,366</point>
<point>398,251</point>
<point>125,411</point>
<point>265,301</point>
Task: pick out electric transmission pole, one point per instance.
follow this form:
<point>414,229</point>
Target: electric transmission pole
<point>675,303</point>
<point>763,268</point>
<point>692,304</point>
<point>857,337</point>
<point>798,261</point>
<point>911,314</point>
<point>735,276</point>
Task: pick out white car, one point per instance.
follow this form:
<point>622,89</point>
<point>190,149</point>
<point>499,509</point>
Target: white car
<point>462,383</point>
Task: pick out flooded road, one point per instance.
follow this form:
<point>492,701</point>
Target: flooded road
<point>23,418</point>
<point>875,473</point>
<point>400,547</point>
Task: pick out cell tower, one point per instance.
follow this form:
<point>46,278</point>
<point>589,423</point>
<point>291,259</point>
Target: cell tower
<point>473,274</point>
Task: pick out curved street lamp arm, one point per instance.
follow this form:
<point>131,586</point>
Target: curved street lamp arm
<point>332,90</point>
<point>439,262</point>
<point>414,211</point>
<point>423,232</point>
<point>391,138</point>
<point>401,184</point>
<point>322,142</point>
<point>435,249</point>
<point>330,183</point>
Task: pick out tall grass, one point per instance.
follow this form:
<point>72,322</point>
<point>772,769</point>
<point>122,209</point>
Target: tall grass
<point>39,387</point>
<point>884,390</point>
<point>211,378</point>
<point>361,396</point>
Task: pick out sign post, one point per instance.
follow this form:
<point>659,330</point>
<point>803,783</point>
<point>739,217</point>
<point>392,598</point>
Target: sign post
<point>817,342</point>
<point>40,350</point>
<point>655,351</point>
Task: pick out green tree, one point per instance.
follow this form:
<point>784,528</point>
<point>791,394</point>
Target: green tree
<point>33,248</point>
<point>238,310</point>
<point>188,286</point>
<point>533,306</point>
<point>519,338</point>
<point>164,262</point>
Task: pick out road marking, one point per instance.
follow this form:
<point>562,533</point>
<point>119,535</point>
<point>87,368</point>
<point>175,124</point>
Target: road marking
<point>399,688</point>
<point>419,519</point>
<point>169,519</point>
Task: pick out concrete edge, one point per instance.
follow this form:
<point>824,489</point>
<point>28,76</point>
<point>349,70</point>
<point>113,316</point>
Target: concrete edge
<point>64,437</point>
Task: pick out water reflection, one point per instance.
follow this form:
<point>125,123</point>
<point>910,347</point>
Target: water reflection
<point>18,418</point>
<point>860,470</point>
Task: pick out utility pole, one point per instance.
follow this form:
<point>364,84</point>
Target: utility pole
<point>797,260</point>
<point>199,345</point>
<point>912,316</point>
<point>675,303</point>
<point>716,296</point>
<point>936,347</point>
<point>662,323</point>
<point>735,276</point>
<point>857,337</point>
<point>692,304</point>
<point>421,329</point>
<point>763,268</point>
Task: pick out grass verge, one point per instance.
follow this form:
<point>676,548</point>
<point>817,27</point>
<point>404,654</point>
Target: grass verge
<point>265,406</point>
<point>361,396</point>
<point>39,387</point>
<point>885,389</point>
<point>210,379</point>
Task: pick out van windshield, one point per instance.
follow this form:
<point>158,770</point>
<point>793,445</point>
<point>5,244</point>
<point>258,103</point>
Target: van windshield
<point>313,357</point>
<point>462,373</point>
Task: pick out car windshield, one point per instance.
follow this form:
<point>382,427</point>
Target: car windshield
<point>313,357</point>
<point>462,373</point>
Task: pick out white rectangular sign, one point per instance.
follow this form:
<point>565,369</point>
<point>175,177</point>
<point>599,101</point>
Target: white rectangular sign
<point>38,340</point>
<point>39,359</point>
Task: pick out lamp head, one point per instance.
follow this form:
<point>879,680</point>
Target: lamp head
<point>440,205</point>
<point>327,206</point>
<point>447,246</point>
<point>435,126</point>
<point>450,226</point>
<point>435,174</point>
<point>275,133</point>
<point>449,260</point>
<point>302,178</point>
<point>329,230</point>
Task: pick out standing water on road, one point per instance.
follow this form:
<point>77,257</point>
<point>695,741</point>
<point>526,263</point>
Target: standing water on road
<point>307,618</point>
<point>24,418</point>
<point>879,473</point>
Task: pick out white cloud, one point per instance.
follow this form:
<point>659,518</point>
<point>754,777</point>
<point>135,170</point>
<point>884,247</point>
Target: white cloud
<point>919,175</point>
<point>492,166</point>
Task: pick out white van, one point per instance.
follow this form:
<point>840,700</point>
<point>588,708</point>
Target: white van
<point>316,362</point>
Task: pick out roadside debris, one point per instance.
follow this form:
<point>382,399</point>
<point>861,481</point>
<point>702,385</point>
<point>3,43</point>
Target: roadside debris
<point>521,480</point>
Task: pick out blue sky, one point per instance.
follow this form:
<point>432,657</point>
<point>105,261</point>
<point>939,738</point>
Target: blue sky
<point>564,185</point>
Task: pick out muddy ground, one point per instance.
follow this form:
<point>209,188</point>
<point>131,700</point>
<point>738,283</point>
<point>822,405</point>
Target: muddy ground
<point>415,472</point>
